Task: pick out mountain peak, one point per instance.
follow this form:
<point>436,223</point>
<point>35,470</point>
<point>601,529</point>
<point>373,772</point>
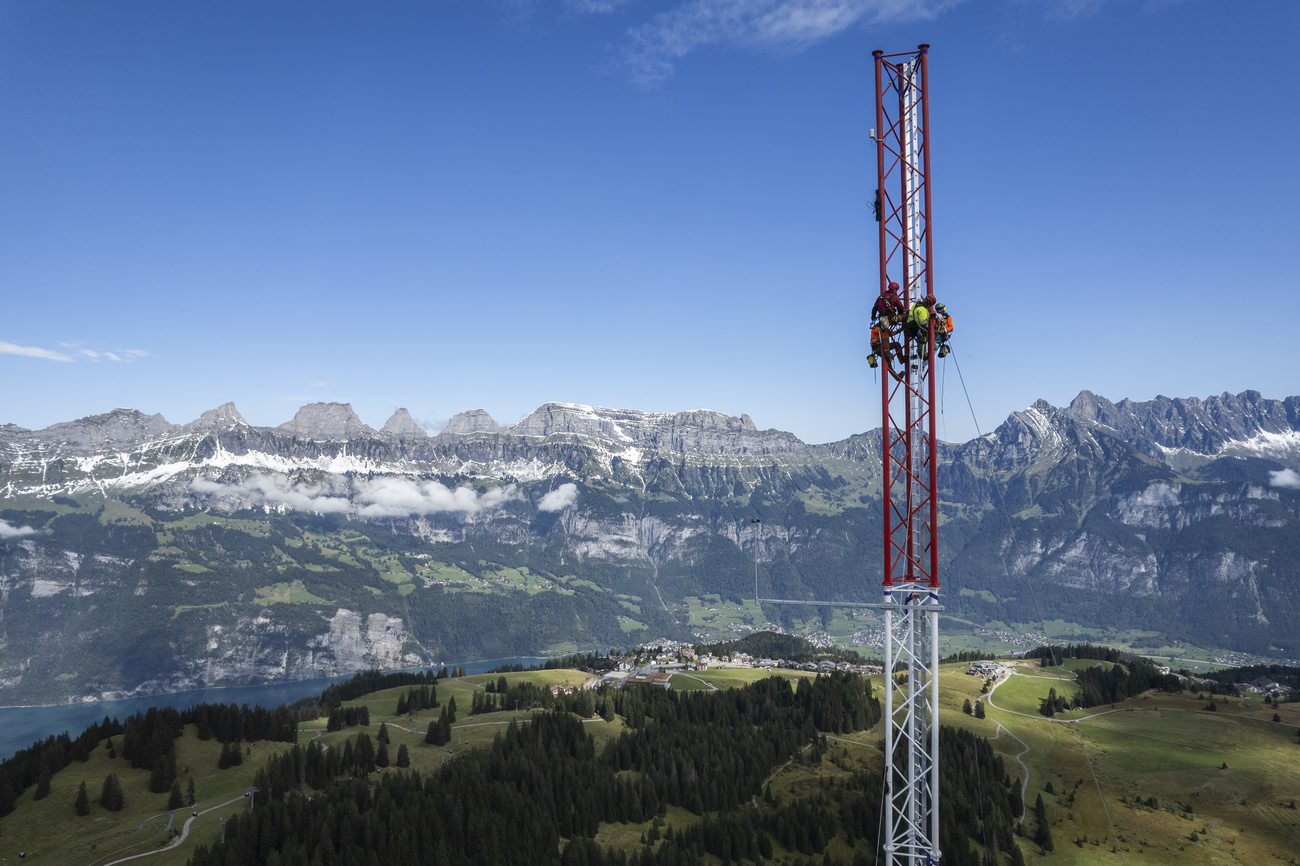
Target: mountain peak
<point>326,421</point>
<point>473,421</point>
<point>224,416</point>
<point>402,425</point>
<point>118,427</point>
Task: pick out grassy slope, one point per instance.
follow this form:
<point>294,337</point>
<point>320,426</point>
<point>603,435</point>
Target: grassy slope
<point>1162,746</point>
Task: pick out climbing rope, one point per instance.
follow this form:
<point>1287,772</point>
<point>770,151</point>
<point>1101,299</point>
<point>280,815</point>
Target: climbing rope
<point>1042,621</point>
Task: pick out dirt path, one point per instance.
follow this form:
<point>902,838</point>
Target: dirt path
<point>711,686</point>
<point>1024,783</point>
<point>178,841</point>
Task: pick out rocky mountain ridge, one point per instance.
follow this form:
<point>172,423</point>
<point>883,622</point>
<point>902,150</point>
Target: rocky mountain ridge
<point>242,554</point>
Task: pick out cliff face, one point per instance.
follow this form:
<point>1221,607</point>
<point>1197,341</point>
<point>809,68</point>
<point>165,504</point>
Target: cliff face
<point>137,555</point>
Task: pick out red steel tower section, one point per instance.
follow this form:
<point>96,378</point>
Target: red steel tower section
<point>911,518</point>
<point>907,394</point>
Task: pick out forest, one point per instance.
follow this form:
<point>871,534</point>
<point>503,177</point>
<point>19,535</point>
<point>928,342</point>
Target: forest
<point>541,791</point>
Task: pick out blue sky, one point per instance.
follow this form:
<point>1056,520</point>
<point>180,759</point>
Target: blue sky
<point>652,204</point>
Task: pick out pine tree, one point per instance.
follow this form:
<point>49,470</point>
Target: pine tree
<point>189,792</point>
<point>1043,836</point>
<point>403,756</point>
<point>175,800</point>
<point>83,801</point>
<point>967,708</point>
<point>979,709</point>
<point>451,711</point>
<point>381,755</point>
<point>43,781</point>
<point>365,753</point>
<point>110,795</point>
<point>382,736</point>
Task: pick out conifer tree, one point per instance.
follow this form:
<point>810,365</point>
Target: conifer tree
<point>365,752</point>
<point>403,756</point>
<point>43,781</point>
<point>83,801</point>
<point>110,795</point>
<point>979,709</point>
<point>175,800</point>
<point>189,793</point>
<point>1043,836</point>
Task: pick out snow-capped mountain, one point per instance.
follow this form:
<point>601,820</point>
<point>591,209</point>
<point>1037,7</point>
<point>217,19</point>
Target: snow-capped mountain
<point>137,554</point>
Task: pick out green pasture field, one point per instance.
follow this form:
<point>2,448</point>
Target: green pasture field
<point>50,831</point>
<point>628,625</point>
<point>286,593</point>
<point>197,521</point>
<point>688,682</point>
<point>1073,664</point>
<point>582,581</point>
<point>729,678</point>
<point>712,614</point>
<point>117,512</point>
<point>627,837</point>
<point>1021,693</point>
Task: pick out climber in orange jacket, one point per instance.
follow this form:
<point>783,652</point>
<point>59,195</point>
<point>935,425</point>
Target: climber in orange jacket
<point>942,329</point>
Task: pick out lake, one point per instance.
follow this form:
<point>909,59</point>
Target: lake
<point>22,726</point>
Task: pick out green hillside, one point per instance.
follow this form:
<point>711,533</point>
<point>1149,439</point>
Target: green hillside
<point>1147,776</point>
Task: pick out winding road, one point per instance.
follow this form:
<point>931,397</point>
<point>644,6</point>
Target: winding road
<point>179,840</point>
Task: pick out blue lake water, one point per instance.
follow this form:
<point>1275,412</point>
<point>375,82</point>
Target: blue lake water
<point>22,726</point>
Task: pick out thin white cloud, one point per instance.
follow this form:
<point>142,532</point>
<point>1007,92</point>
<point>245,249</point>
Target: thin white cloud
<point>402,497</point>
<point>380,497</point>
<point>599,7</point>
<point>120,355</point>
<point>259,490</point>
<point>1068,10</point>
<point>1284,478</point>
<point>559,499</point>
<point>32,352</point>
<point>784,25</point>
<point>8,531</point>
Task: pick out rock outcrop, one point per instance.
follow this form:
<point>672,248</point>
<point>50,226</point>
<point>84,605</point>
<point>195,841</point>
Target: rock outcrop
<point>402,425</point>
<point>326,421</point>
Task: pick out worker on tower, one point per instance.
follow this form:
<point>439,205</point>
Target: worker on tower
<point>882,344</point>
<point>916,327</point>
<point>888,307</point>
<point>942,329</point>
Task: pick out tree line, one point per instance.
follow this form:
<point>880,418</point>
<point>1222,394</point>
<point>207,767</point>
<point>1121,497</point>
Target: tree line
<point>539,793</point>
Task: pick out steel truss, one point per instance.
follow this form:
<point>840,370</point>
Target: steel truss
<point>911,564</point>
<point>911,555</point>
